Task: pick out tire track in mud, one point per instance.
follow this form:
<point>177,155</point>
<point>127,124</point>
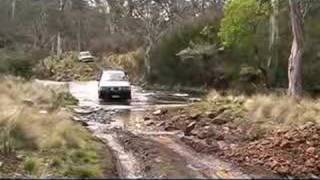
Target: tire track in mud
<point>156,160</point>
<point>208,166</point>
<point>143,153</point>
<point>153,154</point>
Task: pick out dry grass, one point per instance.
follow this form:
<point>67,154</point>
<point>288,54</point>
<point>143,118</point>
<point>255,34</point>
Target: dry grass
<point>34,124</point>
<point>30,117</point>
<point>65,68</point>
<point>282,110</point>
<point>264,113</point>
<point>131,61</point>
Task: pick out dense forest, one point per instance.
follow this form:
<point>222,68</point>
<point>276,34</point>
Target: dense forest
<point>200,42</point>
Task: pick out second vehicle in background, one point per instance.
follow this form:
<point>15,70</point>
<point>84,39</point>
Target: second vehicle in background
<point>85,56</point>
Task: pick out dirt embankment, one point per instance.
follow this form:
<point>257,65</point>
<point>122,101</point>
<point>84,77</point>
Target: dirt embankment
<point>224,128</point>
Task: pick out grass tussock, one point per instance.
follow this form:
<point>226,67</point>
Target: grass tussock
<point>32,123</point>
<point>283,110</point>
<point>263,113</point>
<point>30,117</point>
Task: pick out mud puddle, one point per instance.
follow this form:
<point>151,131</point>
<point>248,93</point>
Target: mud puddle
<point>142,151</point>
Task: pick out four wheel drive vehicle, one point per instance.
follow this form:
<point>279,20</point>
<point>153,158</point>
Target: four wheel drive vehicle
<point>114,84</point>
<point>85,56</point>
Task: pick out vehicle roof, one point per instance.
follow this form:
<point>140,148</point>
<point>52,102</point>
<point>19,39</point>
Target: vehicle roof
<point>85,52</point>
<point>112,71</point>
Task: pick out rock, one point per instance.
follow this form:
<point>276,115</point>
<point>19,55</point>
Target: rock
<point>195,116</point>
<point>83,111</point>
<point>189,128</point>
<point>28,102</point>
<point>211,115</point>
<point>157,112</point>
<point>146,118</point>
<point>310,143</point>
<point>186,138</point>
<point>75,118</point>
<point>310,162</point>
<point>226,129</point>
<point>219,136</point>
<point>192,100</point>
<point>283,169</point>
<point>209,141</point>
<point>315,137</point>
<point>307,125</point>
<point>20,156</point>
<point>161,124</point>
<point>222,145</point>
<point>219,120</point>
<point>83,123</point>
<point>205,134</point>
<point>43,112</point>
<point>311,150</point>
<point>150,123</point>
<point>233,146</point>
<point>170,128</point>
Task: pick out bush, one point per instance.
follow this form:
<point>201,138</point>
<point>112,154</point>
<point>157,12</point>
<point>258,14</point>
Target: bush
<point>168,68</point>
<point>83,172</point>
<point>18,63</point>
<point>31,166</point>
<point>65,68</point>
<point>131,61</point>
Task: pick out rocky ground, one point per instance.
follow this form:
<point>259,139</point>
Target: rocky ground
<point>209,139</point>
<point>150,154</point>
<point>291,153</point>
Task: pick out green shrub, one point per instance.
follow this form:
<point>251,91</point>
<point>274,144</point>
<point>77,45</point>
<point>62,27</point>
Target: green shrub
<point>83,171</point>
<point>166,65</point>
<point>31,166</point>
<point>17,63</point>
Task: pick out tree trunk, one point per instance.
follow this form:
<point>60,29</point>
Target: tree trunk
<point>59,38</point>
<point>13,9</point>
<point>79,35</point>
<point>273,43</point>
<point>219,8</point>
<point>59,44</point>
<point>147,61</point>
<point>295,59</point>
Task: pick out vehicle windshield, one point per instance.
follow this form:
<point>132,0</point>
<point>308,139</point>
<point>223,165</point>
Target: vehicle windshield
<point>85,54</point>
<point>114,77</point>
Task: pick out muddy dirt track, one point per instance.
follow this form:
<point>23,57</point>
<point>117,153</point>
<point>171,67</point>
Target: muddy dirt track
<point>140,150</point>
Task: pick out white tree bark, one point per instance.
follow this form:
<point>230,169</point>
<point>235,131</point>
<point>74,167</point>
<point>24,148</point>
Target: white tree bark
<point>273,42</point>
<point>59,38</point>
<point>13,9</point>
<point>295,59</point>
<point>79,35</point>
